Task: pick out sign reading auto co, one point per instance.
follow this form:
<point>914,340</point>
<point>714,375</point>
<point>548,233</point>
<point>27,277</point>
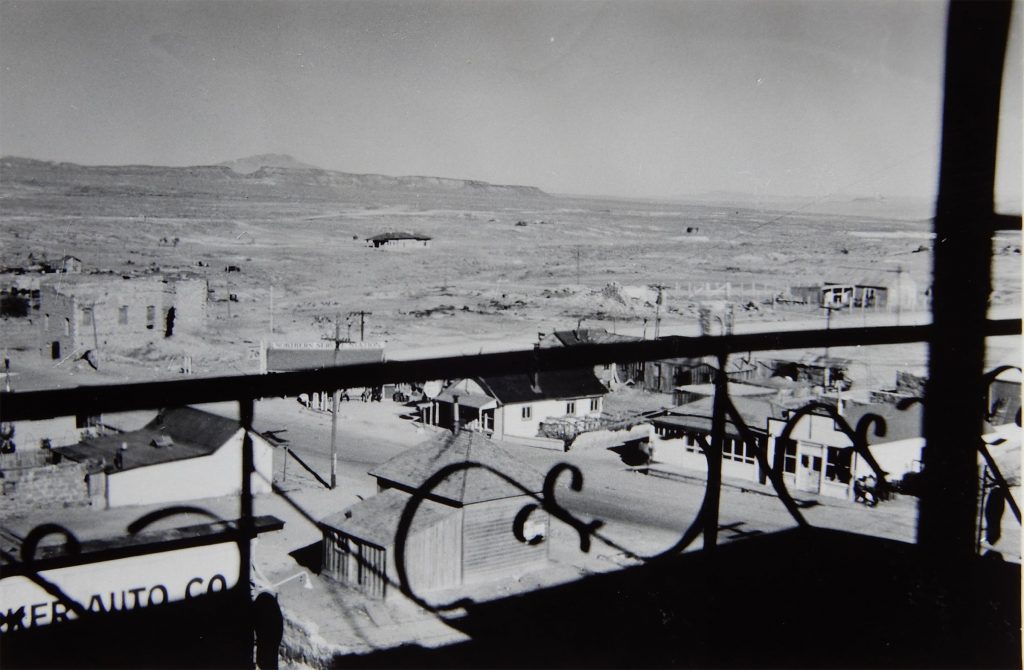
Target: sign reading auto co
<point>148,580</point>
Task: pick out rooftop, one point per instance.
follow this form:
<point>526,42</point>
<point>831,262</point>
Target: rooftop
<point>467,485</point>
<point>175,434</point>
<point>383,237</point>
<point>376,518</point>
<point>735,389</point>
<point>698,414</point>
<point>569,338</point>
<point>83,284</point>
<point>468,399</point>
<point>899,424</point>
<point>551,384</point>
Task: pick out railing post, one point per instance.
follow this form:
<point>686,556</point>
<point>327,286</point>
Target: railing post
<point>715,457</point>
<point>246,532</point>
<point>975,48</point>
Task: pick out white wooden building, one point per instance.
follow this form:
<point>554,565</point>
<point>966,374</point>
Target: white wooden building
<point>512,407</point>
<point>183,454</point>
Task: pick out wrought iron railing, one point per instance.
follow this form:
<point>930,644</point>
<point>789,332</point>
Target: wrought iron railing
<point>953,410</point>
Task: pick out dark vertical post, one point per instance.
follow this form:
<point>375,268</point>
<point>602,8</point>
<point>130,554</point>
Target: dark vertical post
<point>714,457</point>
<point>246,532</point>
<point>976,37</point>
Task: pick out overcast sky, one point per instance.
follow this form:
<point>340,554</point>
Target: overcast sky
<point>653,99</point>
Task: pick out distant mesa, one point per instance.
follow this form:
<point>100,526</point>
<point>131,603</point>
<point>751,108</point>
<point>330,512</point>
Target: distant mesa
<point>270,174</point>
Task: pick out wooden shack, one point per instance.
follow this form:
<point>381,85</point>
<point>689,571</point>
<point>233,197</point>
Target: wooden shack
<point>470,527</point>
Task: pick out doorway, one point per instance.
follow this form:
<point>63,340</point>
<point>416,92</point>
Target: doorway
<point>55,350</point>
<point>809,466</point>
<point>169,323</point>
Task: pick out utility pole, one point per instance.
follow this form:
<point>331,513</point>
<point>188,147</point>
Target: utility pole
<point>657,312</point>
<point>362,314</point>
<point>828,327</point>
<point>899,292</point>
<point>334,404</point>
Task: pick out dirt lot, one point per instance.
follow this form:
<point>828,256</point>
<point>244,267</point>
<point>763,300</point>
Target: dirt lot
<point>499,267</point>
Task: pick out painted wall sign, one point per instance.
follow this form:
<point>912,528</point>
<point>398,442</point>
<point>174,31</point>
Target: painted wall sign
<point>324,344</point>
<point>148,580</point>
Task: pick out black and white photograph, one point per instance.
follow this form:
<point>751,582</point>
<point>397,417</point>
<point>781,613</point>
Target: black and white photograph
<point>511,333</point>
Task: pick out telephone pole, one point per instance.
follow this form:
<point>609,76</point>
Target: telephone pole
<point>362,314</point>
<point>334,403</point>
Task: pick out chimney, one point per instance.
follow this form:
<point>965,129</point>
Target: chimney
<point>455,414</point>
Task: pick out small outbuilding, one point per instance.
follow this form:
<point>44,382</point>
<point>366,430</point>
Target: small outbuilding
<point>398,240</point>
<point>893,290</point>
<point>71,265</point>
<point>474,525</point>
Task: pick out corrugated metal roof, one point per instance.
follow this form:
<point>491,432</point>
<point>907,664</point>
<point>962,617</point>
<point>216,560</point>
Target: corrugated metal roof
<point>375,519</point>
<point>551,385</point>
<point>286,360</point>
<point>468,485</point>
<point>193,433</point>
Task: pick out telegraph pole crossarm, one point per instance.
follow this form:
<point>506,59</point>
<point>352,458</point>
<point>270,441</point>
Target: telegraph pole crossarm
<point>362,314</point>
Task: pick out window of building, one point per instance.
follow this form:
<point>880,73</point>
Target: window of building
<point>570,407</point>
<point>150,316</point>
<point>837,465</point>
<point>527,412</point>
<point>122,315</point>
<point>595,404</point>
<point>67,326</point>
<point>734,449</point>
<point>789,458</point>
<point>46,322</point>
<point>87,316</point>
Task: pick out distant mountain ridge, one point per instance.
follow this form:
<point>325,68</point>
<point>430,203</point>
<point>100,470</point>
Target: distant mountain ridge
<point>251,164</point>
<point>271,173</point>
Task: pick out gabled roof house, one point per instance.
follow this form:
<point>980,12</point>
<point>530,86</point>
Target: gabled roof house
<point>512,407</point>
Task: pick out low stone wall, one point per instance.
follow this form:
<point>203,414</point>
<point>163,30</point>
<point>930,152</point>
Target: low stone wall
<point>26,489</point>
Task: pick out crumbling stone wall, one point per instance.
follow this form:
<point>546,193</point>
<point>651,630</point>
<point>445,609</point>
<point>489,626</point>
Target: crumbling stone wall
<point>111,311</point>
<point>59,327</point>
<point>24,489</point>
